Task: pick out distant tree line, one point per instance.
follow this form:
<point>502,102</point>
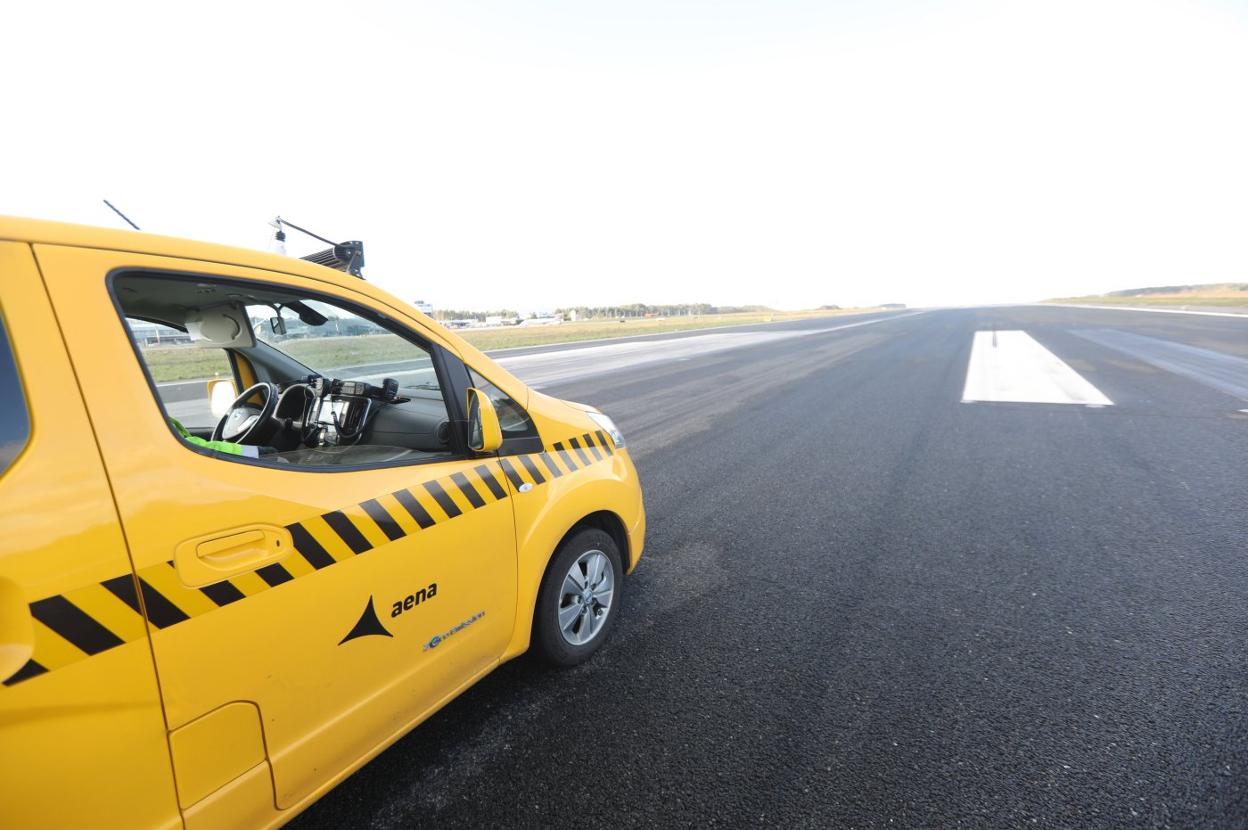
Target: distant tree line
<point>612,312</point>
<point>458,314</point>
<point>646,310</point>
<point>1174,289</point>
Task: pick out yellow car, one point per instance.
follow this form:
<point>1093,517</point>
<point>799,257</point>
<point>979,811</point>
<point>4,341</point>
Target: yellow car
<point>217,601</point>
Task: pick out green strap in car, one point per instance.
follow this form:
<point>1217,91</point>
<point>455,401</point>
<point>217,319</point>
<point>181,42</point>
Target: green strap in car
<point>220,446</point>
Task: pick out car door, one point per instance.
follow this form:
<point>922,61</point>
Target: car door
<point>321,601</point>
<point>82,739</point>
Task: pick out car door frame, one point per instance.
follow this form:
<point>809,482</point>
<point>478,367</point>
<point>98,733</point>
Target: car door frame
<point>290,795</point>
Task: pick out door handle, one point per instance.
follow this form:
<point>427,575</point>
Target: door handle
<point>217,556</point>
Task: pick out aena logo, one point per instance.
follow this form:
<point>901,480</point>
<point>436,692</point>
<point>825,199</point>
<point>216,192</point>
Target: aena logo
<point>412,600</point>
<point>369,625</point>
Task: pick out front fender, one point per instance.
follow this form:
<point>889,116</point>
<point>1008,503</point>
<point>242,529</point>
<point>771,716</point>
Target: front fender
<point>545,515</point>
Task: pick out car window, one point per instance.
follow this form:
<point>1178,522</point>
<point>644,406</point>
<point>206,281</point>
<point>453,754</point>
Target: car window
<point>515,422</point>
<point>345,387</point>
<point>14,419</point>
<point>346,344</point>
<point>181,371</point>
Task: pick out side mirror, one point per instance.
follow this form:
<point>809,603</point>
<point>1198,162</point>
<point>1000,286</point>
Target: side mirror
<point>484,433</point>
<point>221,393</point>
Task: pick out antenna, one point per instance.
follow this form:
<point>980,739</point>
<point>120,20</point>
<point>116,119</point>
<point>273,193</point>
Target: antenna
<point>122,215</point>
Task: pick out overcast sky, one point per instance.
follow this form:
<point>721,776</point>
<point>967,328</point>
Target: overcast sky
<point>540,154</point>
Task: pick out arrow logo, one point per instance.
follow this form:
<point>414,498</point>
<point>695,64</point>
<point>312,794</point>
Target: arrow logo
<point>367,626</point>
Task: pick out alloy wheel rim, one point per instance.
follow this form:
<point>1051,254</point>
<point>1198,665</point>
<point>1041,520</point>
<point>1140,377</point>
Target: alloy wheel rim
<point>585,597</point>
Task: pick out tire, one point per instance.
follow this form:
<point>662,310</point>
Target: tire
<point>570,625</point>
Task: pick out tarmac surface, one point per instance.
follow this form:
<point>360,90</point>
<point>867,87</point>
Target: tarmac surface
<point>867,603</point>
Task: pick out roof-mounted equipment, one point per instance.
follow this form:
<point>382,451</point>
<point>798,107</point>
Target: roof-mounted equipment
<point>347,257</point>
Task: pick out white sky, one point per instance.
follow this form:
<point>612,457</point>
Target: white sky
<point>538,154</point>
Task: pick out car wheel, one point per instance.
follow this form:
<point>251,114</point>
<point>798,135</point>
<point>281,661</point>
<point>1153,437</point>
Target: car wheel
<point>579,598</point>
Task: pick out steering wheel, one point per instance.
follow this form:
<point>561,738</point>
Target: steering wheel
<point>247,423</point>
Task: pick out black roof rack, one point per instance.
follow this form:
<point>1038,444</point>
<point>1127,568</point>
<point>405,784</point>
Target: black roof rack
<point>347,257</point>
<point>344,256</point>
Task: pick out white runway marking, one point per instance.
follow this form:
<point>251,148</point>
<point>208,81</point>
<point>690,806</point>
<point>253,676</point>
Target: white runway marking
<point>1011,366</point>
<point>1240,314</point>
<point>1227,373</point>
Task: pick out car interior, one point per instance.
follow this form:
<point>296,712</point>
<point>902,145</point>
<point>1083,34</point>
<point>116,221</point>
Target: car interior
<point>342,414</point>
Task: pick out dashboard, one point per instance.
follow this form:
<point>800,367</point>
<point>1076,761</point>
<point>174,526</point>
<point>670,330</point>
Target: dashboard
<point>325,414</point>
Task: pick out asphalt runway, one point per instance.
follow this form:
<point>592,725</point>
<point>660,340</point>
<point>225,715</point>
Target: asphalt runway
<point>867,603</point>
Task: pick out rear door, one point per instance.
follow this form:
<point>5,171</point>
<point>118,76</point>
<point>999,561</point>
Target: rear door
<point>322,601</point>
<point>82,737</point>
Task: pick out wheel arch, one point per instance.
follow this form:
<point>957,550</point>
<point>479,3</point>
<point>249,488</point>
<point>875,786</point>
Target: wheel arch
<point>607,521</point>
<point>604,520</point>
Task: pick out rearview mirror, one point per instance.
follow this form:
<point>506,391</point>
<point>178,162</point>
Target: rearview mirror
<point>484,433</point>
<point>221,393</point>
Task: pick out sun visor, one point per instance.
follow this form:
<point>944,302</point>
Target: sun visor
<point>220,327</point>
